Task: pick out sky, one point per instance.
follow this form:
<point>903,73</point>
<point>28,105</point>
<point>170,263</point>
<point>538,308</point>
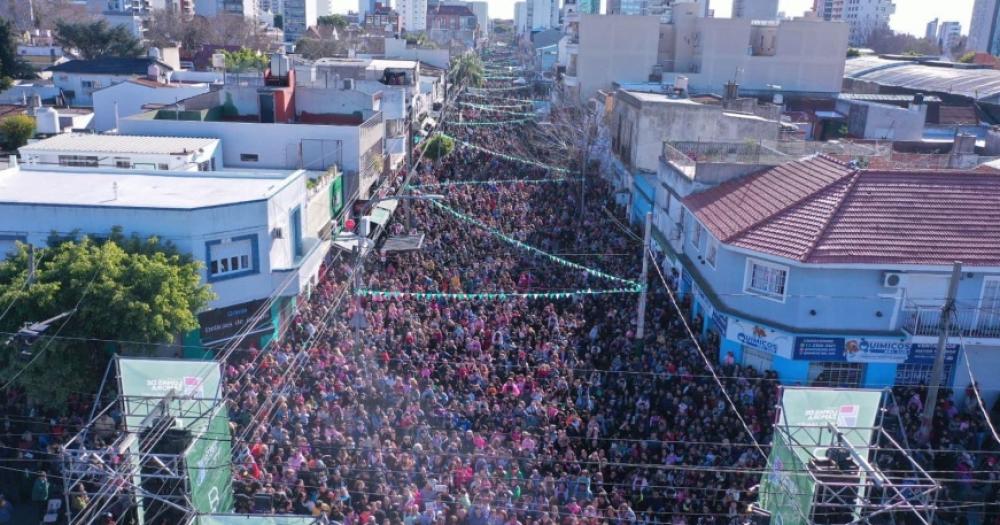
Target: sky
<point>911,15</point>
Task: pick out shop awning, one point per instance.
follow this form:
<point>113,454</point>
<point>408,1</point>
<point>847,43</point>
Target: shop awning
<point>349,241</point>
<point>379,216</point>
<point>388,205</point>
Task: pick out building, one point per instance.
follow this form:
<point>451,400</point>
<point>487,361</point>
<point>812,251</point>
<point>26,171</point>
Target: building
<point>246,8</point>
<point>79,79</point>
<point>452,25</point>
<point>482,11</point>
<point>542,14</point>
<point>931,33</point>
<point>521,17</point>
<point>867,119</point>
<point>984,35</point>
<point>400,49</point>
<point>863,16</point>
<point>253,229</point>
<point>949,35</point>
<point>299,15</point>
<point>414,13</point>
<point>123,152</point>
<point>803,56</point>
<point>778,278</point>
<point>601,49</point>
<point>134,95</point>
<point>960,84</point>
<point>383,19</point>
<point>661,8</point>
<point>755,9</point>
<point>365,7</point>
<point>274,123</point>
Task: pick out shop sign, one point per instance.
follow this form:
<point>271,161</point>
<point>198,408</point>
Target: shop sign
<point>924,353</point>
<point>876,350</point>
<point>760,337</point>
<point>223,323</point>
<point>867,350</point>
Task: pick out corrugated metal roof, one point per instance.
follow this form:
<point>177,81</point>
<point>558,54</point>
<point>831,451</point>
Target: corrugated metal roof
<point>972,83</point>
<point>94,143</point>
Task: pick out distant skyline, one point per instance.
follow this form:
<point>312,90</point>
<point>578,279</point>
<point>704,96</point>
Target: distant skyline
<point>911,15</point>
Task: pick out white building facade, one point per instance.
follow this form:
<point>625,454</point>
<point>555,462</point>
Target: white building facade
<point>413,14</point>
<point>128,98</point>
<point>299,15</point>
<point>755,9</point>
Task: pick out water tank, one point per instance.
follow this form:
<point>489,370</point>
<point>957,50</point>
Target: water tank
<point>993,141</point>
<point>47,121</point>
<point>279,65</point>
<point>153,72</point>
<point>681,83</point>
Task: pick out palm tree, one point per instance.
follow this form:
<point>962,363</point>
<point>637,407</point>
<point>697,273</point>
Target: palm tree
<point>467,70</point>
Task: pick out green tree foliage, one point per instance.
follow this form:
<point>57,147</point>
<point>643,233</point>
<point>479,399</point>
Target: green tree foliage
<point>967,58</point>
<point>245,60</point>
<point>885,41</point>
<point>132,289</point>
<point>853,52</point>
<point>97,39</point>
<point>11,65</point>
<point>420,39</point>
<point>168,27</point>
<point>314,48</point>
<point>338,21</point>
<point>439,146</point>
<point>467,69</point>
<point>16,131</point>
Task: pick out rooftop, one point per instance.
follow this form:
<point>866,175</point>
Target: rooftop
<point>137,189</point>
<point>453,10</point>
<point>818,210</point>
<point>94,143</point>
<point>917,76</point>
<point>109,66</point>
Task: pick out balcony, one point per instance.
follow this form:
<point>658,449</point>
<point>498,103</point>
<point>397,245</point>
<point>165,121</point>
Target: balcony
<point>969,321</point>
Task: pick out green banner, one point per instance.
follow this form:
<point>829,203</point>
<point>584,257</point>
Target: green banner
<point>786,489</point>
<point>208,465</point>
<point>143,382</point>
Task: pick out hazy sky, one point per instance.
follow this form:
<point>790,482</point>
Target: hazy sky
<point>911,15</point>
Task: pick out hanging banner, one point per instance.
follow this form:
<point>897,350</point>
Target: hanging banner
<point>868,350</point>
<point>766,339</point>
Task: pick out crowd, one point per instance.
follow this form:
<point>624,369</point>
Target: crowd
<point>501,411</point>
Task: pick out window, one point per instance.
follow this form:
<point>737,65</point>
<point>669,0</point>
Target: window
<point>696,233</point>
<point>711,252</point>
<point>204,166</point>
<point>766,279</point>
<point>836,374</point>
<point>231,257</point>
<point>123,163</point>
<point>295,219</point>
<point>248,157</point>
<point>163,167</point>
<point>81,161</point>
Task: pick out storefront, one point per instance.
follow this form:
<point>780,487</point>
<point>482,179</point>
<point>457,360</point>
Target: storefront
<point>222,326</point>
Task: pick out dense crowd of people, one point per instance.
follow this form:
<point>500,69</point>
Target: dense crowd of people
<point>506,410</point>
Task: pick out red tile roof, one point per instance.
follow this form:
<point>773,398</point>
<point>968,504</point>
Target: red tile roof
<point>818,210</point>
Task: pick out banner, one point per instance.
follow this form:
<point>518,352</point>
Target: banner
<point>786,489</point>
<point>196,385</point>
<point>210,476</point>
<point>761,337</point>
<point>868,350</point>
<point>221,324</point>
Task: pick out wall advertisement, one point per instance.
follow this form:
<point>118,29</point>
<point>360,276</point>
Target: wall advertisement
<point>867,350</point>
<point>761,337</point>
<point>209,475</point>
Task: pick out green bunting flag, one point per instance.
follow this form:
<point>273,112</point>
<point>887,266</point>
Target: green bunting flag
<point>504,156</point>
<point>496,109</point>
<point>491,123</point>
<point>492,182</point>
<point>493,296</point>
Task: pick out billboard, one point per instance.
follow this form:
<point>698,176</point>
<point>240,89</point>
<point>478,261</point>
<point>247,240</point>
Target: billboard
<point>144,381</point>
<point>868,350</point>
<point>786,488</point>
<point>208,459</point>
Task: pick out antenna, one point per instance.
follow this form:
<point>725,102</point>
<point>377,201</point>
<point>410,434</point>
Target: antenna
<point>114,188</point>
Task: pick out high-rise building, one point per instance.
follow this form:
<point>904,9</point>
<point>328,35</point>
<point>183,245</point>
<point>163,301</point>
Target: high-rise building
<point>413,14</point>
<point>482,10</point>
<point>949,35</point>
<point>300,15</point>
<point>863,16</point>
<point>210,8</point>
<point>931,32</point>
<point>755,9</point>
<point>661,8</point>
<point>542,14</point>
<point>984,29</point>
<point>521,17</point>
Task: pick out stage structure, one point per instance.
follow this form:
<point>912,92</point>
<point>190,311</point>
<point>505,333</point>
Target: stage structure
<point>831,462</point>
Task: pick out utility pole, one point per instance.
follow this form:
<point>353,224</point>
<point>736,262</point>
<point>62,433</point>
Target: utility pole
<point>640,331</point>
<point>31,264</point>
<point>947,311</point>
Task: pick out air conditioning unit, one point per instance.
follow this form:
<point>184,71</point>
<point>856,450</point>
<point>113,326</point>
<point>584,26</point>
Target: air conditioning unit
<point>893,279</point>
<point>277,233</point>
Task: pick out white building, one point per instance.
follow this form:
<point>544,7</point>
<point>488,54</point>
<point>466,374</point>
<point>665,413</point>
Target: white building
<point>602,49</point>
<point>123,152</point>
<point>413,14</point>
<point>132,96</point>
<point>983,28</point>
<point>864,16</point>
<point>949,35</point>
<point>805,55</point>
<point>521,17</point>
<point>755,9</point>
<point>482,11</point>
<point>300,15</point>
<point>79,79</point>
<point>249,228</point>
<point>210,8</point>
<point>542,14</point>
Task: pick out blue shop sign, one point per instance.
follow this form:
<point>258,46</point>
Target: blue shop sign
<point>819,348</point>
<point>923,353</point>
<point>867,350</point>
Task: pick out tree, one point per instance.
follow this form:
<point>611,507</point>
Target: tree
<point>853,52</point>
<point>11,65</point>
<point>97,39</point>
<point>885,41</point>
<point>420,39</point>
<point>245,60</point>
<point>238,30</point>
<point>279,22</point>
<point>968,58</point>
<point>467,70</point>
<point>312,48</point>
<point>438,147</point>
<point>169,27</point>
<point>338,21</point>
<point>16,131</point>
<point>123,288</point>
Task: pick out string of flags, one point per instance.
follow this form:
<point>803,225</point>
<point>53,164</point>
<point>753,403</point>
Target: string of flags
<point>491,122</point>
<point>504,156</point>
<point>493,182</point>
<point>497,109</point>
<point>489,296</point>
<point>495,89</point>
